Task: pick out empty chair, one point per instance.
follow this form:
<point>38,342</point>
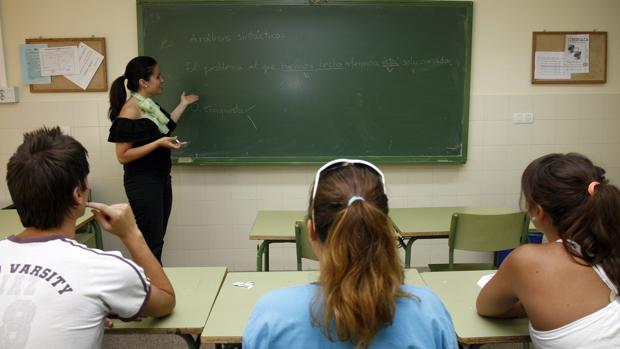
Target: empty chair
<point>486,233</point>
<point>302,242</point>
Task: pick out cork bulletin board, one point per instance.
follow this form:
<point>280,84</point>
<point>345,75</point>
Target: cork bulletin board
<point>59,83</point>
<point>556,42</point>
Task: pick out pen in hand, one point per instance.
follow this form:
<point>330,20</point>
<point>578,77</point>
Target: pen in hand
<point>179,143</point>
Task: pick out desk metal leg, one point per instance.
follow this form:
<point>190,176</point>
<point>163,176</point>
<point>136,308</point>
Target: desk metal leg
<point>98,237</point>
<point>263,249</point>
<point>410,244</point>
<point>189,339</point>
<point>408,252</point>
<point>266,259</point>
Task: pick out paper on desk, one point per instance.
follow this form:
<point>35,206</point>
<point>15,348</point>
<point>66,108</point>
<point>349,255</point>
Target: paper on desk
<point>31,64</point>
<point>89,62</point>
<point>550,65</point>
<point>484,279</point>
<point>244,284</point>
<point>60,60</point>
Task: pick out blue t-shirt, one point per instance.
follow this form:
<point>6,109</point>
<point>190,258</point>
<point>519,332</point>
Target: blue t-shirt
<point>282,319</point>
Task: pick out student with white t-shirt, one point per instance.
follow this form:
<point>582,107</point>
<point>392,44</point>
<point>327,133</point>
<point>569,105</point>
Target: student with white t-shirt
<point>568,287</point>
<point>54,291</point>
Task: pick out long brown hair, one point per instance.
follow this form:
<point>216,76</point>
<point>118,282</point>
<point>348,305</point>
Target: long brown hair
<point>559,184</point>
<point>361,272</point>
<point>140,67</point>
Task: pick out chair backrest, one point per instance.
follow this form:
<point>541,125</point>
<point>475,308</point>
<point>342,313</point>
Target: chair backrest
<point>487,232</point>
<point>302,243</point>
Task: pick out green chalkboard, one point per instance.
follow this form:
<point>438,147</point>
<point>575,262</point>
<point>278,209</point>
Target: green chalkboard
<point>294,82</point>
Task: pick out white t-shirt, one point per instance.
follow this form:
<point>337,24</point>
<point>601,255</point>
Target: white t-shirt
<point>56,292</point>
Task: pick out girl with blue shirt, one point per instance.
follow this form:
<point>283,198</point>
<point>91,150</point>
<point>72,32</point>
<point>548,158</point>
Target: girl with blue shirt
<point>360,300</point>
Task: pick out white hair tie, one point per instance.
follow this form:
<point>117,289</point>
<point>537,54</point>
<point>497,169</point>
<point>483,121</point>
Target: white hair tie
<point>355,198</point>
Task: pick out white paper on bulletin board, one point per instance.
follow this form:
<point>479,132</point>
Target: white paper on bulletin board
<point>550,65</point>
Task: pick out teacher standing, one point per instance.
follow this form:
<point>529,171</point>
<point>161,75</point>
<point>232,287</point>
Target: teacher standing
<point>141,130</point>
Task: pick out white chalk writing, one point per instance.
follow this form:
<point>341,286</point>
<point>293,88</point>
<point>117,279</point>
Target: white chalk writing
<point>223,111</point>
<point>387,65</point>
<point>222,38</point>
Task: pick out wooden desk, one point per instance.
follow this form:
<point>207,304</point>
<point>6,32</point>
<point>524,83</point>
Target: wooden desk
<point>196,290</point>
<point>234,304</point>
<point>11,225</point>
<point>458,291</point>
<point>413,224</point>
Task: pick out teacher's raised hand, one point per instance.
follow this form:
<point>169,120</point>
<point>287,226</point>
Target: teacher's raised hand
<point>188,99</point>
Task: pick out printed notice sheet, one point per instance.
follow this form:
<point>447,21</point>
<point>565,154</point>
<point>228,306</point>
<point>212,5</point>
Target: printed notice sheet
<point>550,65</point>
<point>31,64</point>
<point>577,53</point>
<point>61,60</point>
<point>89,62</point>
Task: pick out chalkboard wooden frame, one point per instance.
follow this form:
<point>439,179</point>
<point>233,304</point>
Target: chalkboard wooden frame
<point>292,159</point>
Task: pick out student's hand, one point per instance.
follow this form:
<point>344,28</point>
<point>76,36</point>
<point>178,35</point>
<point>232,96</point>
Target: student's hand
<point>188,99</point>
<point>171,142</point>
<point>118,219</point>
<point>108,323</point>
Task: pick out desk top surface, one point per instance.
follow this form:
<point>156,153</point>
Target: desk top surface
<point>195,289</point>
<point>458,291</point>
<point>412,222</point>
<point>11,225</point>
<point>234,304</point>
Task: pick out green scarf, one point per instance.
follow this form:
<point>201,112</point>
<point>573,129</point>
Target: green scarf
<point>152,112</point>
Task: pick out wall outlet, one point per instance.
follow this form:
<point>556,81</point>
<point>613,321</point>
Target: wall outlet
<point>8,95</point>
<point>523,118</point>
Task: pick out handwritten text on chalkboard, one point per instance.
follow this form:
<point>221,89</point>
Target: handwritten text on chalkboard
<point>388,64</point>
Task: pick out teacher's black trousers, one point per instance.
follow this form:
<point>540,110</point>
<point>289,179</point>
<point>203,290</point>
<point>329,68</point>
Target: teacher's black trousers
<point>150,197</point>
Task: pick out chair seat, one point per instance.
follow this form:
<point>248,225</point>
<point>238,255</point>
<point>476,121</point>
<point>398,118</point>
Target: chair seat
<point>462,266</point>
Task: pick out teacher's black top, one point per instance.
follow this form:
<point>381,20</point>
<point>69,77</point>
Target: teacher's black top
<point>140,132</point>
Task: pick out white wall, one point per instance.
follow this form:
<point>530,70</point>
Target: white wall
<point>214,207</point>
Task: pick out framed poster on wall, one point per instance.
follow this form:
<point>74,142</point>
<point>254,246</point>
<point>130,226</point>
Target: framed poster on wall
<point>59,83</point>
<point>569,57</point>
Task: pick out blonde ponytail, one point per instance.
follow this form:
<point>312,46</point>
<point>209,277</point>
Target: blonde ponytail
<point>361,272</point>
